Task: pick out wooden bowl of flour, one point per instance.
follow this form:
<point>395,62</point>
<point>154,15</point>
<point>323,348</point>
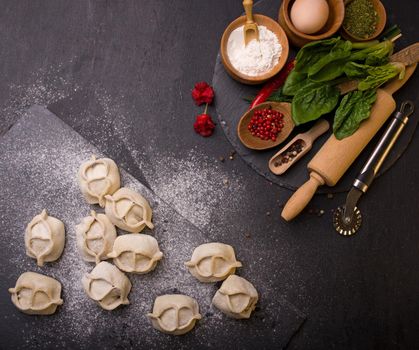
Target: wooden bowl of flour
<point>270,24</point>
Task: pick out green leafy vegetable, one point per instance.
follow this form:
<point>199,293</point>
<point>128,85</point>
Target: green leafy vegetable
<point>331,71</point>
<point>313,101</point>
<point>279,96</point>
<point>294,83</point>
<point>312,52</point>
<point>374,55</point>
<point>353,109</point>
<point>373,77</point>
<point>321,65</point>
<point>341,50</point>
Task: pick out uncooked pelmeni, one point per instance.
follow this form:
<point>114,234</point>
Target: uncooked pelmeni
<point>108,286</point>
<point>44,238</point>
<point>95,237</point>
<point>236,297</point>
<point>137,253</point>
<point>128,210</point>
<point>36,294</point>
<point>97,178</point>
<point>174,314</point>
<point>212,262</point>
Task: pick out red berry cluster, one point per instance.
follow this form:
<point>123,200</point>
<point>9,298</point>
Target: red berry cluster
<point>266,124</point>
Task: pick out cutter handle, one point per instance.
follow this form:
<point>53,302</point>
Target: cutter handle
<point>302,197</point>
<point>384,146</point>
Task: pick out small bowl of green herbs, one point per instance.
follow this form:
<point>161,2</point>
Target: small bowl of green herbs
<point>364,19</point>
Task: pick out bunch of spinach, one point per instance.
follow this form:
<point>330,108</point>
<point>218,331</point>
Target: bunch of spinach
<point>353,109</point>
<point>322,65</point>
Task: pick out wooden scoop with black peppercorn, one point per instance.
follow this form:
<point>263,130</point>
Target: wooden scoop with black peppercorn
<point>296,148</point>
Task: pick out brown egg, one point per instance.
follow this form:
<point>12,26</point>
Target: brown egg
<point>309,16</point>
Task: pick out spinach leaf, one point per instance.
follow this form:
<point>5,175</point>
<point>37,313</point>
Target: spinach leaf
<point>342,49</point>
<point>373,77</point>
<point>377,76</point>
<point>312,52</point>
<point>294,82</point>
<point>331,71</point>
<point>355,70</point>
<point>313,101</point>
<point>279,96</point>
<point>381,55</point>
<point>353,109</point>
<point>374,55</point>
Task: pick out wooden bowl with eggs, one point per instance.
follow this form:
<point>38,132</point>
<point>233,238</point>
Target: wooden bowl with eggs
<point>315,20</point>
<point>273,26</point>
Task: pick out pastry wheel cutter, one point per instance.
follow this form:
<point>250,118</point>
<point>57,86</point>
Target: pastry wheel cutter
<point>347,219</point>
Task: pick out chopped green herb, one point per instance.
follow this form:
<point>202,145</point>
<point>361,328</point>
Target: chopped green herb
<point>360,18</point>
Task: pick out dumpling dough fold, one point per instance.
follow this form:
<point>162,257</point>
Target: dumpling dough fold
<point>97,178</point>
<point>108,286</point>
<point>212,262</point>
<point>36,294</point>
<point>44,238</point>
<point>236,297</point>
<point>95,237</point>
<point>137,253</point>
<point>128,210</point>
<point>174,314</point>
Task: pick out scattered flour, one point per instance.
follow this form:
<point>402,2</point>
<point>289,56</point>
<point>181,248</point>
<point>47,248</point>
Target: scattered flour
<point>44,87</point>
<point>197,187</point>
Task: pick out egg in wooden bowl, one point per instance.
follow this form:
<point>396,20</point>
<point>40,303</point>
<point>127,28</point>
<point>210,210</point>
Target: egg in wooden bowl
<point>305,21</point>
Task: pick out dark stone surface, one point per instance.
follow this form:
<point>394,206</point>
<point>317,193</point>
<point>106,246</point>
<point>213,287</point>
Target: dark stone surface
<point>47,153</point>
<point>120,73</point>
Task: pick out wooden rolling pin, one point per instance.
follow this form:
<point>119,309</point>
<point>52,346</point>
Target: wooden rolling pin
<point>336,156</point>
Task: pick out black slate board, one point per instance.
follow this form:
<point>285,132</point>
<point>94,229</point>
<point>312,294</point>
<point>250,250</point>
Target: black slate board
<point>230,105</point>
<point>39,157</point>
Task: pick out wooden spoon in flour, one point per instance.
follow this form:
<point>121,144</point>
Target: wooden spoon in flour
<point>250,29</point>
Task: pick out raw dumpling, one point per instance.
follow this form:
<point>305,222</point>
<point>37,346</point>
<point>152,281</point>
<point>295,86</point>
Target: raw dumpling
<point>44,238</point>
<point>107,285</point>
<point>212,262</point>
<point>97,178</point>
<point>174,314</point>
<point>236,297</point>
<point>136,253</point>
<point>128,210</point>
<point>95,237</point>
<point>36,294</point>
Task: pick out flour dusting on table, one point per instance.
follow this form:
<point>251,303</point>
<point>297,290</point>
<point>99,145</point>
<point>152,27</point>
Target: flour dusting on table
<point>49,166</point>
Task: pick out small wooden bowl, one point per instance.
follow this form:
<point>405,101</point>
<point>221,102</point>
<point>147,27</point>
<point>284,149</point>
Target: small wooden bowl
<point>261,21</point>
<point>381,23</point>
<point>299,39</point>
<point>256,143</point>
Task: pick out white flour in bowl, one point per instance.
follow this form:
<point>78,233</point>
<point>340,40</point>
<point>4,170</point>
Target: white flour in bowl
<point>258,57</point>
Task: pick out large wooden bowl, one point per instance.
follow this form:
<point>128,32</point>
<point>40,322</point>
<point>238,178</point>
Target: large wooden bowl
<point>272,26</point>
<point>299,39</point>
<point>381,23</point>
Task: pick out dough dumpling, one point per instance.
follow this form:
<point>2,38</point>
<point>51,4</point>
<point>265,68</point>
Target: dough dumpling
<point>128,210</point>
<point>174,314</point>
<point>36,294</point>
<point>95,237</point>
<point>97,178</point>
<point>236,297</point>
<point>108,286</point>
<point>44,238</point>
<point>212,262</point>
<point>137,253</point>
